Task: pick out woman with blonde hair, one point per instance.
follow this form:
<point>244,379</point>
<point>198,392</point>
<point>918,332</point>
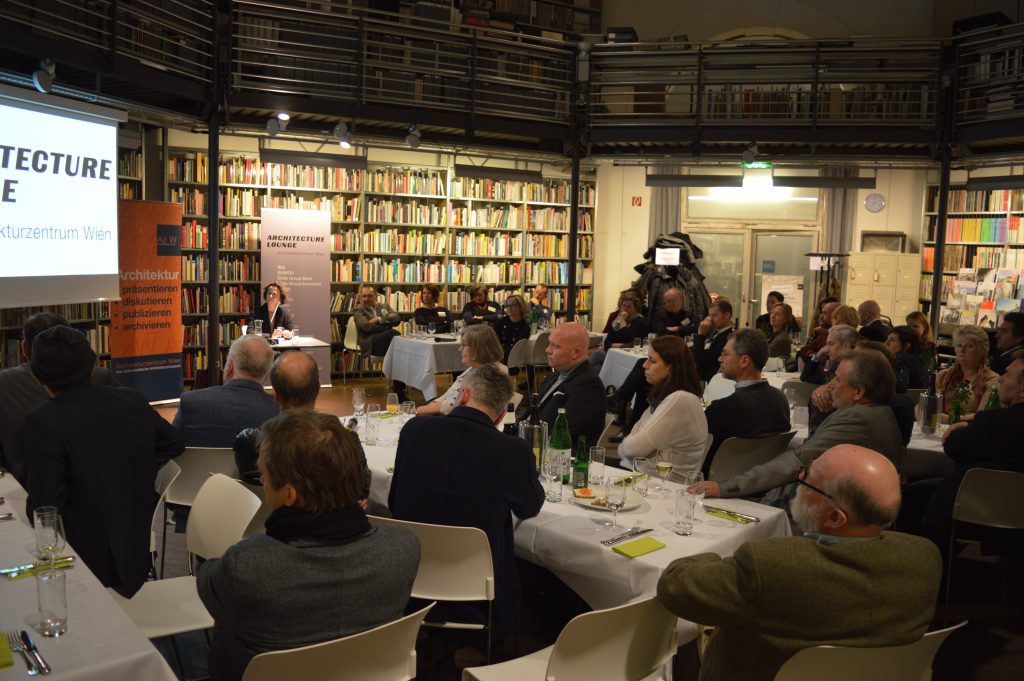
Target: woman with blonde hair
<point>479,346</point>
<point>780,342</point>
<point>844,314</point>
<point>970,370</point>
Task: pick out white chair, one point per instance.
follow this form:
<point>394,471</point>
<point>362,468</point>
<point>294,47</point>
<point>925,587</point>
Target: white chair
<point>626,643</point>
<point>539,356</point>
<point>801,391</point>
<point>197,465</point>
<point>455,565</point>
<point>911,662</point>
<point>221,512</point>
<point>165,477</point>
<point>519,357</point>
<point>258,522</point>
<point>737,455</point>
<point>775,364</point>
<point>718,387</point>
<point>387,653</point>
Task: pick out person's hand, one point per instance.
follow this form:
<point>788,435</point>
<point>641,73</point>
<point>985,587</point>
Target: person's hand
<point>375,320</point>
<point>287,334</point>
<point>823,353</point>
<point>709,487</point>
<point>673,329</point>
<point>704,327</point>
<point>822,398</point>
<point>964,421</point>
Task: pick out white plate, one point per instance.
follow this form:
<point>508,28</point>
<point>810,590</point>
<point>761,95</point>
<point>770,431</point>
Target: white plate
<point>633,500</point>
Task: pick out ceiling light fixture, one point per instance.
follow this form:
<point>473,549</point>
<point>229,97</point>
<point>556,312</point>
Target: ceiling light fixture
<point>341,131</point>
<point>749,154</point>
<point>413,138</point>
<point>277,124</point>
<point>43,77</point>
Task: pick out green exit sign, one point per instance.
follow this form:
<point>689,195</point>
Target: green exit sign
<point>758,164</point>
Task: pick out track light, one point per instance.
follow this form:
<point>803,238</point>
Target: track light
<point>749,154</point>
<point>413,138</point>
<point>277,124</point>
<point>43,78</point>
<point>344,136</point>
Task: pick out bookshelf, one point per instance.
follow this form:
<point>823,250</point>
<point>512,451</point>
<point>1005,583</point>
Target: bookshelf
<point>984,254</point>
<point>92,319</point>
<point>394,226</point>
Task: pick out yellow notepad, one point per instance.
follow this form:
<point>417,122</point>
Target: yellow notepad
<point>638,547</point>
<point>6,659</point>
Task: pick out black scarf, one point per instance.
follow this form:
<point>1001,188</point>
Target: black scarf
<point>333,527</point>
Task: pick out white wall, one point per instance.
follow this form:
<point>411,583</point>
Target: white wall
<point>904,202</point>
<point>620,237</point>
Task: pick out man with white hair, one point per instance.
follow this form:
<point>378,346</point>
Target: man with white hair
<point>843,583</point>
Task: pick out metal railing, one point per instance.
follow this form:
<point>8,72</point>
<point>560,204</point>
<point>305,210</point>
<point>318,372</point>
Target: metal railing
<point>990,75</point>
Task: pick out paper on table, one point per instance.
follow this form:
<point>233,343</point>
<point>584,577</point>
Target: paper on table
<point>6,658</point>
<point>638,547</point>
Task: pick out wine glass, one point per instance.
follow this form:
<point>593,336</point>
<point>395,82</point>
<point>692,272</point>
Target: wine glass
<point>641,474</point>
<point>392,406</point>
<point>408,410</point>
<point>49,531</point>
<point>359,401</point>
<point>431,328</point>
<point>615,497</point>
<point>663,465</point>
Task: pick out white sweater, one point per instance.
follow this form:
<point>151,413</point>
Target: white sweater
<point>678,423</point>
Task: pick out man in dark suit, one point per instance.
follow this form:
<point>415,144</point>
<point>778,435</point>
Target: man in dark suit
<point>213,416</point>
<point>460,470</point>
<point>20,393</point>
<point>671,319</point>
<point>1009,339</point>
<point>755,409</point>
<point>712,334</point>
<point>872,326</point>
<point>95,451</point>
<point>573,385</point>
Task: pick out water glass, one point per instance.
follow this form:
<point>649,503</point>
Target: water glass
<point>596,471</point>
<point>258,324</point>
<point>551,472</point>
<point>372,429</point>
<point>636,343</point>
<point>694,485</point>
<point>408,410</point>
<point>51,590</point>
<point>359,401</point>
<point>295,332</point>
<point>49,531</point>
<point>641,474</point>
<point>685,503</point>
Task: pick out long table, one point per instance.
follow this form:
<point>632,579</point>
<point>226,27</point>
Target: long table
<point>101,643</point>
<point>566,538</point>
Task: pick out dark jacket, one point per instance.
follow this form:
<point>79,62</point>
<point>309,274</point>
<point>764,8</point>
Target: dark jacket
<point>440,316</point>
<point>757,410</point>
<point>582,395</point>
<point>460,470</point>
<point>95,454</point>
<point>706,350</point>
<point>510,332</point>
<point>283,318</point>
<point>637,328</point>
<point>212,417</point>
<point>876,331</point>
<point>490,311</point>
<point>662,319</point>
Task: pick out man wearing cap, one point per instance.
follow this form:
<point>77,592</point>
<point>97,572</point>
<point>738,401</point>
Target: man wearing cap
<point>93,452</point>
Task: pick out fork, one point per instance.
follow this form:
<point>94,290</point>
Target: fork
<point>14,640</point>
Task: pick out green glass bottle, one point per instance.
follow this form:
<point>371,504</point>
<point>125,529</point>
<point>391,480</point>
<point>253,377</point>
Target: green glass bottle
<point>960,398</point>
<point>993,400</point>
<point>560,443</point>
<point>581,465</point>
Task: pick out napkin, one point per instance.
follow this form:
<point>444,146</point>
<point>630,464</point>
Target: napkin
<point>638,547</point>
<point>6,658</point>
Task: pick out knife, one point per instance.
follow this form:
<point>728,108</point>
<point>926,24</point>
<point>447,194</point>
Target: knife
<point>736,514</point>
<point>6,516</point>
<point>625,536</point>
<point>44,668</point>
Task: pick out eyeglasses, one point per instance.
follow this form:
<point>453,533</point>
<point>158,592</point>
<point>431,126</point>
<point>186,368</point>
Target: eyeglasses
<point>801,479</point>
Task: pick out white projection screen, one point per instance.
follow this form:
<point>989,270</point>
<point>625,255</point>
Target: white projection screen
<point>58,200</point>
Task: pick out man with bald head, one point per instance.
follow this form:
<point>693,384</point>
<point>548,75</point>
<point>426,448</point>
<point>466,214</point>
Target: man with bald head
<point>671,318</point>
<point>872,326</point>
<point>844,583</point>
<point>573,385</point>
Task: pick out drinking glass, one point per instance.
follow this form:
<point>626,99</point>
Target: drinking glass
<point>641,474</point>
<point>295,332</point>
<point>392,405</point>
<point>359,401</point>
<point>372,429</point>
<point>258,324</point>
<point>431,328</point>
<point>698,494</point>
<point>685,503</point>
<point>408,409</point>
<point>596,472</point>
<point>615,497</point>
<point>636,343</point>
<point>51,591</point>
<point>551,471</point>
<point>49,531</point>
<point>663,465</point>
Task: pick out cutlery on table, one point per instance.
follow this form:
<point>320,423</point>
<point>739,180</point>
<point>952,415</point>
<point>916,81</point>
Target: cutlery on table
<point>631,532</point>
<point>14,641</point>
<point>63,563</point>
<point>6,516</point>
<point>731,515</point>
<point>44,668</point>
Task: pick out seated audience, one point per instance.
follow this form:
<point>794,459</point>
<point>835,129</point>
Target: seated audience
<point>272,313</point>
<point>763,323</point>
<point>844,583</point>
<point>627,293</point>
<point>820,367</point>
<point>780,342</point>
<point>375,328</point>
<point>675,418</point>
<point>479,310</point>
<point>755,409</point>
<point>845,314</point>
<point>539,308</point>
<point>479,347</point>
<point>1009,339</point>
<point>460,470</point>
<point>321,571</point>
<point>711,337</point>
<point>671,318</point>
<point>429,312</point>
<point>20,393</point>
<point>629,325</point>
<point>93,452</point>
<point>905,348</point>
<point>819,335</point>
<point>513,327</point>
<point>212,417</point>
<point>861,391</point>
<point>969,369</point>
<point>919,323</point>
<point>873,327</point>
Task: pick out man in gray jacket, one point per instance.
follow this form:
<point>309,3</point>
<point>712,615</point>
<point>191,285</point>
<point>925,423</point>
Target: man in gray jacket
<point>321,571</point>
<point>861,391</point>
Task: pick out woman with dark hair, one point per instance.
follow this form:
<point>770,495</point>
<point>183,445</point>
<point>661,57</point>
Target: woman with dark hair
<point>905,347</point>
<point>513,327</point>
<point>479,310</point>
<point>627,325</point>
<point>430,312</point>
<point>272,313</point>
<point>675,418</point>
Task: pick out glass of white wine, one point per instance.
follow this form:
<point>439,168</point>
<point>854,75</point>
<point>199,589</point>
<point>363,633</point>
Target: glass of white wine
<point>663,466</point>
<point>616,499</point>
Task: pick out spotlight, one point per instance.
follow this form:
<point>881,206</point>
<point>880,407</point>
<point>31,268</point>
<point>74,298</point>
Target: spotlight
<point>749,153</point>
<point>276,124</point>
<point>343,135</point>
<point>43,78</point>
<point>413,138</point>
<point>283,116</point>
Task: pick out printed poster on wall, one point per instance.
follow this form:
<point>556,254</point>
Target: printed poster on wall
<point>295,250</point>
<point>791,286</point>
<point>145,326</point>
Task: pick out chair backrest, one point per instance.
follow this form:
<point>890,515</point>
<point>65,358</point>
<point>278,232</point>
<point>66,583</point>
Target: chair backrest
<point>911,662</point>
<point>802,391</point>
<point>455,562</point>
<point>220,514</point>
<point>351,335</point>
<point>258,523</point>
<point>775,364</point>
<point>739,454</point>
<point>167,474</point>
<point>539,356</point>
<point>387,653</point>
<point>608,418</point>
<point>990,497</point>
<point>197,463</point>
<point>619,644</point>
<point>519,355</point>
<point>718,387</point>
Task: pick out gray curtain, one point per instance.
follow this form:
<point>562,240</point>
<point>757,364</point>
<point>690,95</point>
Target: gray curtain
<point>839,217</point>
<point>666,211</point>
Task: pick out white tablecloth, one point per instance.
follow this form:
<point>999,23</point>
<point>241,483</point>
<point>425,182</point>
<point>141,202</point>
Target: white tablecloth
<point>415,362</point>
<point>299,342</point>
<point>101,642</point>
<point>925,457</point>
<point>618,362</point>
<point>566,538</point>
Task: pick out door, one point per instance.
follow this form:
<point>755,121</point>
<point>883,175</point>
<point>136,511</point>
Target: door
<point>780,264</point>
<point>722,265</point>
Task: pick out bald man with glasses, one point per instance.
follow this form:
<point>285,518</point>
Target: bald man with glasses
<point>844,583</point>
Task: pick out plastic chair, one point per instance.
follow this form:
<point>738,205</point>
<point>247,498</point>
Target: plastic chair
<point>258,522</point>
<point>738,455</point>
<point>990,498</point>
<point>911,662</point>
<point>802,391</point>
<point>718,387</point>
<point>165,477</point>
<point>625,643</point>
<point>775,364</point>
<point>221,512</point>
<point>386,653</point>
<point>539,356</point>
<point>455,565</point>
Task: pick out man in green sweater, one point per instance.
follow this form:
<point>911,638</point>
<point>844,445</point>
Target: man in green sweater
<point>844,583</point>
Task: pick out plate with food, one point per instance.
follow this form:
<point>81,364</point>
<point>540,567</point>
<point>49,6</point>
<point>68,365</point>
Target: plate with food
<point>594,499</point>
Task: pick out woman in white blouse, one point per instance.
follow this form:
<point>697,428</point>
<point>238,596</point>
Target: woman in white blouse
<point>479,346</point>
<point>675,418</point>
